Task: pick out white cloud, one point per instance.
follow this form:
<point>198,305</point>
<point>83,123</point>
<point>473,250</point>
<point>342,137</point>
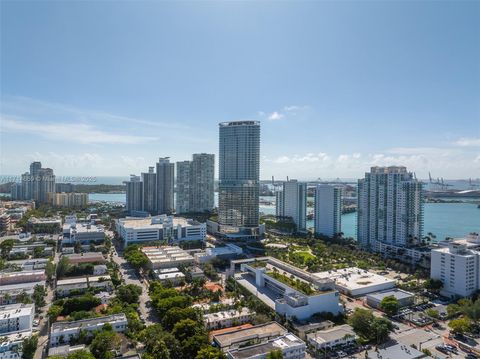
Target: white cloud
<point>285,112</point>
<point>70,132</point>
<point>468,142</point>
<point>275,116</point>
<point>448,163</point>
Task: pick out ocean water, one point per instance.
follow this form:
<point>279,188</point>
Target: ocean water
<point>442,219</point>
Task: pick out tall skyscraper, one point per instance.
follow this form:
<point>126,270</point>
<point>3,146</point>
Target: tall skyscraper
<point>149,180</point>
<point>291,201</point>
<point>239,167</point>
<point>38,183</point>
<point>328,210</point>
<point>184,177</point>
<point>165,186</point>
<point>390,208</point>
<point>195,184</point>
<point>134,198</point>
<point>202,183</point>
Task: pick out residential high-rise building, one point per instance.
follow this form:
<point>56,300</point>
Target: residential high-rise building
<point>202,182</point>
<point>458,267</point>
<point>183,187</point>
<point>149,180</point>
<point>165,186</point>
<point>134,197</point>
<point>38,183</point>
<point>291,201</point>
<point>239,169</point>
<point>195,184</point>
<point>390,208</point>
<point>328,210</point>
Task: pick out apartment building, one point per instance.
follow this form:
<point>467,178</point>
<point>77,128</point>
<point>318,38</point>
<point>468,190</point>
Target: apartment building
<point>291,201</point>
<point>458,267</point>
<point>16,318</point>
<point>328,210</point>
<point>63,332</point>
<point>227,318</point>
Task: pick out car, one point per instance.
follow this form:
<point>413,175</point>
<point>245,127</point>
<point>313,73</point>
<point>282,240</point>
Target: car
<point>436,325</point>
<point>471,356</point>
<point>443,349</point>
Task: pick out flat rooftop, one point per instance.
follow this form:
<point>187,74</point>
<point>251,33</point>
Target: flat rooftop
<point>16,310</point>
<point>283,342</point>
<point>332,334</point>
<point>61,326</point>
<point>155,222</point>
<point>212,317</point>
<point>354,278</point>
<point>397,293</point>
<point>14,288</point>
<point>398,351</point>
<point>230,337</point>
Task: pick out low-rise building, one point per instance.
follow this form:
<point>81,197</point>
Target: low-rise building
<point>291,347</point>
<point>338,336</point>
<point>227,318</point>
<point>14,293</point>
<point>45,225</point>
<point>167,257</point>
<point>103,282</point>
<point>228,251</point>
<point>404,298</point>
<point>63,332</point>
<point>16,318</point>
<point>105,297</point>
<point>86,257</point>
<point>301,329</point>
<point>172,275</point>
<point>83,233</point>
<point>65,350</point>
<point>291,291</point>
<point>11,345</point>
<point>397,351</point>
<point>65,287</point>
<point>25,276</point>
<point>356,282</point>
<point>254,335</point>
<point>99,269</point>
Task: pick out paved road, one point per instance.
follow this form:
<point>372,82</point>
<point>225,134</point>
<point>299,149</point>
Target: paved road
<point>43,325</point>
<point>130,276</point>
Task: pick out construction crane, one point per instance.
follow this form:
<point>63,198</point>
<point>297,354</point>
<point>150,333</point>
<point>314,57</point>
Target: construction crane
<point>439,182</point>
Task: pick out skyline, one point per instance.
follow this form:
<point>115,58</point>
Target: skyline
<point>106,89</point>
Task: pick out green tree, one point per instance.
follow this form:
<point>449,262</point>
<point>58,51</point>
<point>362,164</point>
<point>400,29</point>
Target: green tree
<point>129,293</point>
<point>105,344</point>
<point>39,294</point>
<point>29,346</point>
<point>275,354</point>
<point>210,352</point>
<point>380,330</point>
<point>53,312</point>
<point>433,285</point>
<point>63,266</point>
<point>174,315</point>
<point>5,248</point>
<point>360,321</point>
<point>80,354</point>
<point>389,305</point>
<point>50,270</point>
<point>460,325</point>
<point>432,313</point>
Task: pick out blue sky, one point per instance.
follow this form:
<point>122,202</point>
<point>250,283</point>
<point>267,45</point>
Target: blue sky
<point>105,88</point>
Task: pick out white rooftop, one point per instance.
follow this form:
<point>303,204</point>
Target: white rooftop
<point>354,278</point>
<point>16,310</point>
